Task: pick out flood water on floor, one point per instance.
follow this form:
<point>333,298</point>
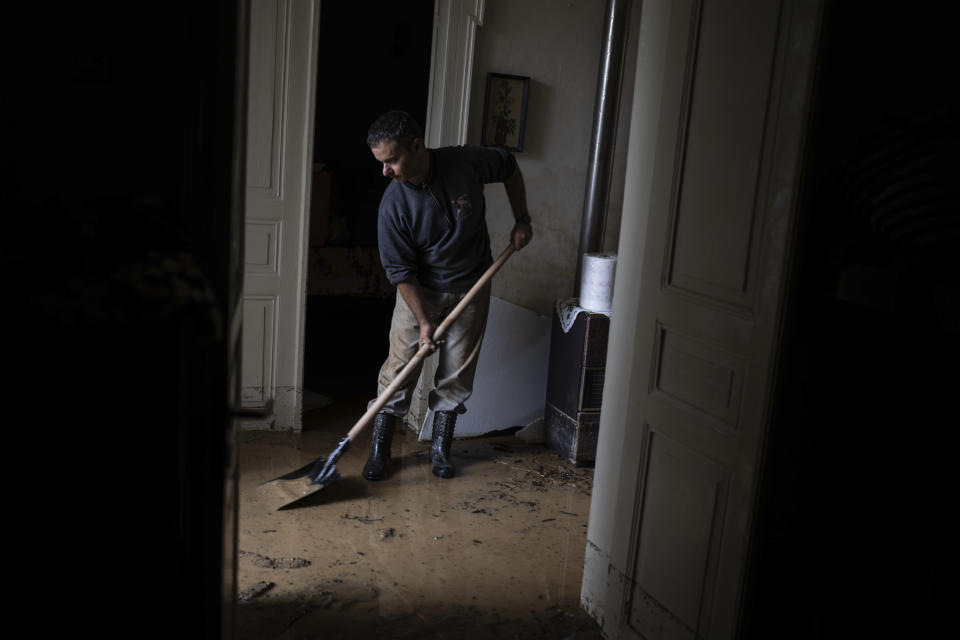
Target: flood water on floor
<point>496,552</point>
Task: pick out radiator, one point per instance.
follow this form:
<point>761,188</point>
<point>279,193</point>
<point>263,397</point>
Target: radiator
<point>575,387</point>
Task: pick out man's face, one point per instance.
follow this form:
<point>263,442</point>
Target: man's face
<point>399,163</point>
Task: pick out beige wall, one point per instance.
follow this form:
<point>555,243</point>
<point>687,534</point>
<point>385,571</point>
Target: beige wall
<point>558,46</point>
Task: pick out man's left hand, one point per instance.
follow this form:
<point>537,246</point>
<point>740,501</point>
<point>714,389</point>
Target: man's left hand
<point>521,235</point>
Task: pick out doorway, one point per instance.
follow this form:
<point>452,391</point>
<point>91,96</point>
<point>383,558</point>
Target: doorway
<point>373,56</point>
<point>853,535</point>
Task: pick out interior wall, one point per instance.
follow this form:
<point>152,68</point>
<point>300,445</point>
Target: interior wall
<point>558,46</point>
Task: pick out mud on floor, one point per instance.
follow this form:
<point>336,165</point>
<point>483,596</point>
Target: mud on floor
<point>496,552</point>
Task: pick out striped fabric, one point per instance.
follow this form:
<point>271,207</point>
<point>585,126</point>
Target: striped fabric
<point>905,182</point>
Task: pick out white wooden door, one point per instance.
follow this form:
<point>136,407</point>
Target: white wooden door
<point>718,120</point>
<point>282,80</point>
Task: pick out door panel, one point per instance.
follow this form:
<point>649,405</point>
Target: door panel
<point>685,493</point>
<point>268,62</point>
<point>730,55</point>
<point>259,322</point>
<point>722,89</point>
<point>700,376</point>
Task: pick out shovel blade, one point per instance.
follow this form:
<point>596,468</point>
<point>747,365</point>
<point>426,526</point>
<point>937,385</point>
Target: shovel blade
<point>308,479</point>
<point>284,491</point>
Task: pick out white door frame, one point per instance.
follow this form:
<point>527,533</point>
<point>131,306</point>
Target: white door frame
<point>279,152</point>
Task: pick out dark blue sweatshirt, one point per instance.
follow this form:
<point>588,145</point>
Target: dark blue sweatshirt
<point>437,233</point>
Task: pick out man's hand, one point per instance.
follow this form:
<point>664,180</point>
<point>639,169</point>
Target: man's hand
<point>427,329</point>
<point>521,235</point>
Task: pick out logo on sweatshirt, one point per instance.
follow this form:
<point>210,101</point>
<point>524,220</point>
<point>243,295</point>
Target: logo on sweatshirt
<point>462,205</point>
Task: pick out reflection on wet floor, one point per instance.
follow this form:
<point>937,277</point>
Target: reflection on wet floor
<point>496,552</point>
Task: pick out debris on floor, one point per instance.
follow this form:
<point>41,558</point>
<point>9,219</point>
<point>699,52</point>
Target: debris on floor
<point>255,590</point>
<point>266,562</point>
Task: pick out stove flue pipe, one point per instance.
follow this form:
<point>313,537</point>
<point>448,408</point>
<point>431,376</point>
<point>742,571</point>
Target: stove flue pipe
<point>604,128</point>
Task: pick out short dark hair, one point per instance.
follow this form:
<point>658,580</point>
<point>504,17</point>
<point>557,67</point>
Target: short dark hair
<point>398,126</point>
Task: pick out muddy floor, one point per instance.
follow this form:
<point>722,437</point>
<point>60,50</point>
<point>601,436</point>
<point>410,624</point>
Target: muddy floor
<point>496,552</point>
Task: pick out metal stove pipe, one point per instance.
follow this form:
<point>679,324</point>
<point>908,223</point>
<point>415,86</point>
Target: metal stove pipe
<point>604,129</point>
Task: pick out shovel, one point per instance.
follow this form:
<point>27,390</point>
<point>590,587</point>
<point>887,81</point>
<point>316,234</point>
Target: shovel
<point>321,473</point>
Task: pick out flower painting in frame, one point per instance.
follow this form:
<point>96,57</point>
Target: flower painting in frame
<point>505,111</point>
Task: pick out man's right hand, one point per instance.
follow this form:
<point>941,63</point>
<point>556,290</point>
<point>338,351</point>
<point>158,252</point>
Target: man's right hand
<point>427,329</point>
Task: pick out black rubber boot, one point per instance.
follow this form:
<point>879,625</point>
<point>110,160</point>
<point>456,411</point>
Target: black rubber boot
<point>383,426</point>
<point>444,423</point>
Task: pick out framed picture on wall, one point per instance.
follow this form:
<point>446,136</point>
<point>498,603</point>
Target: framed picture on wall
<point>505,111</point>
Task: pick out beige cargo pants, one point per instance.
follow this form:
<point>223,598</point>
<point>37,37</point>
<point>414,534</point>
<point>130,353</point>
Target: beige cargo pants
<point>457,355</point>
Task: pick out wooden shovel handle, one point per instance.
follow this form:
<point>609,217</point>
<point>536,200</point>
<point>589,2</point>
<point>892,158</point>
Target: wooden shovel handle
<point>424,351</point>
